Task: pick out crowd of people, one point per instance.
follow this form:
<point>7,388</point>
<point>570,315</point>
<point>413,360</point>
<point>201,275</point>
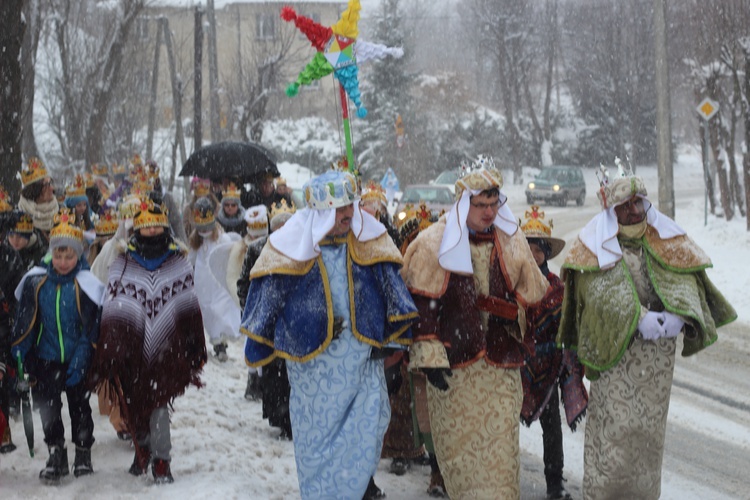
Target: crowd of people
<point>428,340</point>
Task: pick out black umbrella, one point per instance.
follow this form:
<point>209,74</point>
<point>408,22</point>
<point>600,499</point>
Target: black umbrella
<point>242,160</point>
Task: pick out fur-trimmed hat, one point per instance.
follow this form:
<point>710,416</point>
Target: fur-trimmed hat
<point>257,221</point>
<point>535,228</point>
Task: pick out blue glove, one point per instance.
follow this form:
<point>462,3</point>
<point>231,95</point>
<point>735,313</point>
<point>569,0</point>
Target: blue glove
<point>75,376</point>
<point>651,326</point>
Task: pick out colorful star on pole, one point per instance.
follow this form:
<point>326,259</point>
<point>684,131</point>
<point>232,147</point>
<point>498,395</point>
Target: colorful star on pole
<point>338,52</point>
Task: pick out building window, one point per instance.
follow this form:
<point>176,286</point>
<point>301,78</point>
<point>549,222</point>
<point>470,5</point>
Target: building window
<point>265,26</point>
<point>142,28</point>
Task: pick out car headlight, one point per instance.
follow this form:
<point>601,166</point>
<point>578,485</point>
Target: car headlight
<point>532,185</point>
<point>401,215</point>
<point>556,187</point>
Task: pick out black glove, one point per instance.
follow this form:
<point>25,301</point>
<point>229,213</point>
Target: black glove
<point>393,378</point>
<point>338,327</point>
<point>436,376</point>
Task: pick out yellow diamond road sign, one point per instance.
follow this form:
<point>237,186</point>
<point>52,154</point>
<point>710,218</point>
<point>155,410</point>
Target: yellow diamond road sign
<point>707,108</point>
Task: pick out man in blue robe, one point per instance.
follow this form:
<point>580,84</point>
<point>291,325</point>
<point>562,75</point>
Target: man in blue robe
<point>326,295</point>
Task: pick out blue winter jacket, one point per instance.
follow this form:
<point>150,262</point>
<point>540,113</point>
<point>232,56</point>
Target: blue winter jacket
<point>55,320</point>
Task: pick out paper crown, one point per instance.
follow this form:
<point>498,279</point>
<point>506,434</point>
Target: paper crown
<point>77,188</point>
<point>152,169</point>
<point>33,171</point>
<point>232,192</point>
<point>280,181</point>
<point>106,224</point>
<point>5,204</point>
<point>119,170</point>
<point>618,190</point>
<point>203,213</point>
<point>332,189</point>
<point>201,187</point>
<point>342,165</point>
<point>374,192</point>
<point>415,221</point>
<point>65,228</point>
<point>100,169</point>
<point>282,208</point>
<point>149,214</point>
<point>129,206</point>
<point>534,227</point>
<point>89,180</point>
<point>480,174</point>
<point>24,223</point>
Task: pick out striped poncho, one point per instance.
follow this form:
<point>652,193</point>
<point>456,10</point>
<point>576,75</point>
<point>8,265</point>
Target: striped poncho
<point>151,337</point>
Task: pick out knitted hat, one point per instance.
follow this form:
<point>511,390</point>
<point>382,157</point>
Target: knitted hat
<point>34,171</point>
<point>23,224</point>
<point>5,203</point>
<point>617,190</point>
<point>332,189</point>
<point>257,221</point>
<point>280,213</point>
<point>203,215</point>
<point>535,228</point>
<point>149,214</point>
<point>65,233</point>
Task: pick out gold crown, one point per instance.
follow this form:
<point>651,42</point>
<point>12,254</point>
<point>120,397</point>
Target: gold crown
<point>89,180</point>
<point>129,206</point>
<point>24,224</point>
<point>65,226</point>
<point>76,188</point>
<point>152,169</point>
<point>201,188</point>
<point>534,227</point>
<point>282,207</point>
<point>119,169</point>
<point>34,171</point>
<point>374,192</point>
<point>100,169</point>
<point>420,218</point>
<point>232,192</point>
<point>106,224</point>
<point>142,184</point>
<point>146,214</point>
<point>202,219</point>
<point>280,181</point>
<point>5,205</point>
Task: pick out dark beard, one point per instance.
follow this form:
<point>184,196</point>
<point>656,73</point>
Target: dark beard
<point>150,247</point>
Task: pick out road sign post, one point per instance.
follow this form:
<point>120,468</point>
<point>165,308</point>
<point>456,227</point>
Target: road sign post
<point>706,109</point>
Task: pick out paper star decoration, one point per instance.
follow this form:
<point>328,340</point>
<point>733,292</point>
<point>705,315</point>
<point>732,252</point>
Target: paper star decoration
<point>339,51</point>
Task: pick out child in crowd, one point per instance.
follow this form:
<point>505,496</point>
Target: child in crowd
<point>55,333</point>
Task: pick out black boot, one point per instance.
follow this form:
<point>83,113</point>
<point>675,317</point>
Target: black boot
<point>373,491</point>
<point>82,464</point>
<point>221,352</point>
<point>140,461</point>
<point>556,490</point>
<point>161,471</point>
<point>253,391</point>
<point>57,465</point>
<point>399,466</point>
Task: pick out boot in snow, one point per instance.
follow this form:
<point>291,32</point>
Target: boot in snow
<point>82,464</point>
<point>221,352</point>
<point>140,461</point>
<point>253,391</point>
<point>161,471</point>
<point>57,465</point>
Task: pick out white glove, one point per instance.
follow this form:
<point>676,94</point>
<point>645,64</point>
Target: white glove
<point>651,326</point>
<point>672,324</point>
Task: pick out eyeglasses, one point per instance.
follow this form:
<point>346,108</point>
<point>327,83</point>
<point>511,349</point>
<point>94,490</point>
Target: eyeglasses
<point>484,206</point>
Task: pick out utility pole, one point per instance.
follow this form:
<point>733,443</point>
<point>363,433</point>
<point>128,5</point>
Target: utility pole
<point>198,79</point>
<point>663,113</point>
<point>213,75</point>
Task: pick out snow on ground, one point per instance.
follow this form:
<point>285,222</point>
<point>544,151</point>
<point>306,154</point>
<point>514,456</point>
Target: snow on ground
<point>223,449</point>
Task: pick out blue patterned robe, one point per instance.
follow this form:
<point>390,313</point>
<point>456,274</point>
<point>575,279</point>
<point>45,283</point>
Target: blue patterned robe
<point>339,403</point>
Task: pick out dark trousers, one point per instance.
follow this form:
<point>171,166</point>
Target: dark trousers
<point>553,440</point>
<point>47,393</point>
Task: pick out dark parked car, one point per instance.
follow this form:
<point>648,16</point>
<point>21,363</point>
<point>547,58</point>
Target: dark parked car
<point>557,185</point>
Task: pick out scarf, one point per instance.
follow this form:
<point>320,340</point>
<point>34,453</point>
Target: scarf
<point>42,213</point>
